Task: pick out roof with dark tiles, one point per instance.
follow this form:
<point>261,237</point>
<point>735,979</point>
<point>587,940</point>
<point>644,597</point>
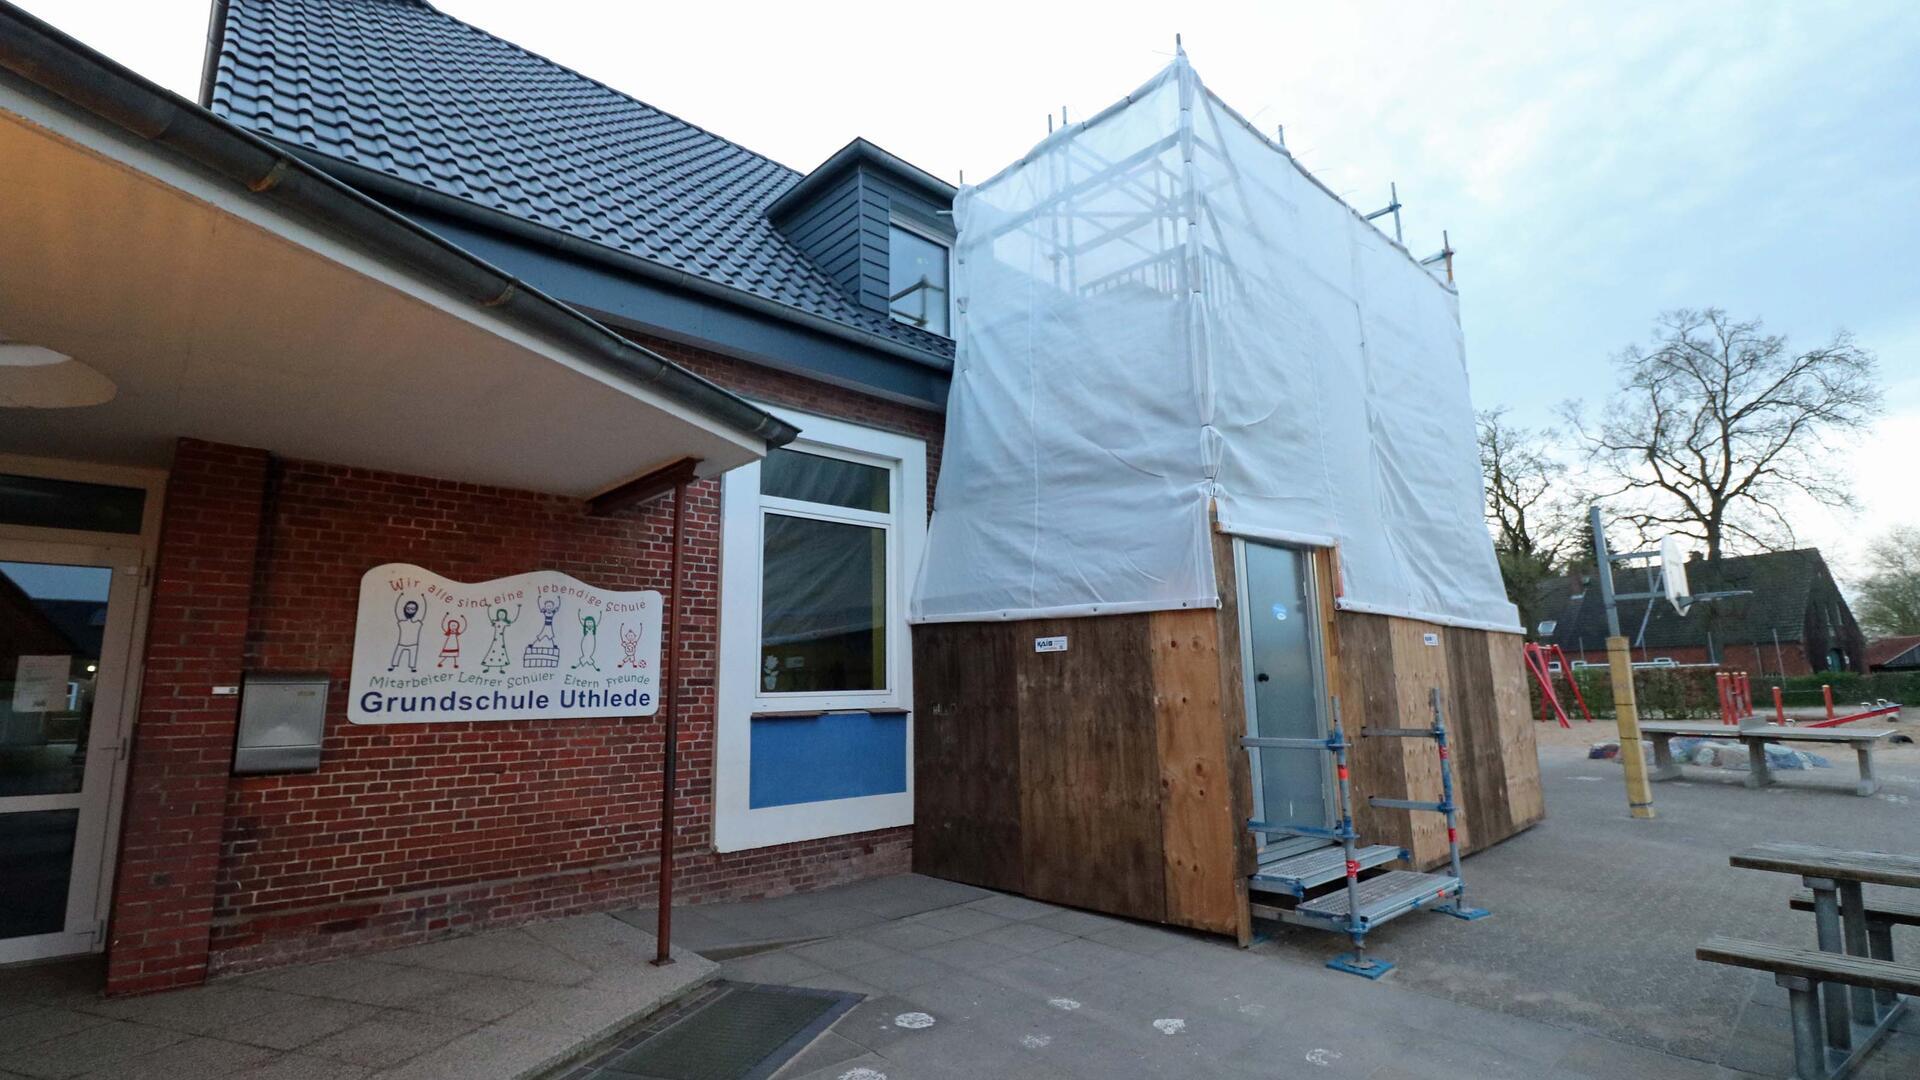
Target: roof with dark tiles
<point>399,88</point>
<point>1780,586</point>
<point>1885,651</point>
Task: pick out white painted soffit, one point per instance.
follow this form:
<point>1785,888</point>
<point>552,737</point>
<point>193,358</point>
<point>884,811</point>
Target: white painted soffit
<point>219,318</point>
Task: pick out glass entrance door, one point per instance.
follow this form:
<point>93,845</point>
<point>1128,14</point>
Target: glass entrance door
<point>1280,640</point>
<point>66,619</point>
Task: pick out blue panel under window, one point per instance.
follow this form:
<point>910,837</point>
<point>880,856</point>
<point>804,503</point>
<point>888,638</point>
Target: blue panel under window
<point>803,759</point>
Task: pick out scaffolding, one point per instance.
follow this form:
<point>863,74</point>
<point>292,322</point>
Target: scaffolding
<point>1166,324</point>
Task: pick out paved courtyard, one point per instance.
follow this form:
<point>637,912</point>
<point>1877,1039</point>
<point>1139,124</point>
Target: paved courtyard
<point>1585,970</point>
<point>494,1006</point>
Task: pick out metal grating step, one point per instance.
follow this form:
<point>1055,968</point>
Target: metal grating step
<point>735,1031</point>
<point>1294,875</point>
<point>1382,898</point>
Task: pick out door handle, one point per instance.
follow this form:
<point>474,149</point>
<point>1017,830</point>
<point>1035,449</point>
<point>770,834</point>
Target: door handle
<point>1261,677</point>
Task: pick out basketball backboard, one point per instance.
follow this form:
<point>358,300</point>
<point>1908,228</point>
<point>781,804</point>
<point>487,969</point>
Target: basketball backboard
<point>1673,573</point>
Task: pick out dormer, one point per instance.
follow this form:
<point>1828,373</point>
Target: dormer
<point>881,228</point>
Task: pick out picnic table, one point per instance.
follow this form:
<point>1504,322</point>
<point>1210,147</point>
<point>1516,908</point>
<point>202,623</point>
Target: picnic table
<point>1859,985</point>
<point>1756,737</point>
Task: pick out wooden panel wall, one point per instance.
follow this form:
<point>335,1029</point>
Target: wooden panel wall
<point>1089,767</point>
<point>966,757</point>
<point>1387,672</point>
<point>1201,837</point>
<point>1110,776</point>
<point>1103,777</point>
<point>1520,758</point>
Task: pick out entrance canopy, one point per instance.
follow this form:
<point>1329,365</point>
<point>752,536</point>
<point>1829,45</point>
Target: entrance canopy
<point>164,274</point>
<point>1165,319</point>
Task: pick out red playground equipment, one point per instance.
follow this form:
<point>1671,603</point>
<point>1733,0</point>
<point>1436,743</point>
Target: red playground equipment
<point>1540,660</point>
<point>1736,696</point>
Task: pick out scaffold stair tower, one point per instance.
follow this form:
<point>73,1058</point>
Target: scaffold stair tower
<point>1362,904</point>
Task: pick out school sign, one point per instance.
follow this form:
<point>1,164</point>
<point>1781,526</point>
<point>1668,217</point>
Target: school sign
<point>534,646</point>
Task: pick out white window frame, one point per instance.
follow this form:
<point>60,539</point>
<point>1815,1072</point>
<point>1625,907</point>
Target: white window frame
<point>131,556</point>
<point>736,824</point>
<point>945,244</point>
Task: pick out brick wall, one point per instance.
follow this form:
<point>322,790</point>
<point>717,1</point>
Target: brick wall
<point>183,741</point>
<point>412,831</point>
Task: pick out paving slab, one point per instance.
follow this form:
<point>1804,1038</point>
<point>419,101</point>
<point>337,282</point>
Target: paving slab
<point>502,1005</point>
<point>1585,972</point>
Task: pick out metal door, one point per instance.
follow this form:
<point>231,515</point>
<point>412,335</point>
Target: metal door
<point>1280,645</point>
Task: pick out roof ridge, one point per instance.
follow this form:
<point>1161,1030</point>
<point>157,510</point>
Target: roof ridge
<point>583,77</point>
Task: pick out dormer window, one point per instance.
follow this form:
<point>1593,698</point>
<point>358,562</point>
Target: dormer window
<point>918,290</point>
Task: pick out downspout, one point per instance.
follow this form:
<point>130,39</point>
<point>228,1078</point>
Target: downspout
<point>216,33</point>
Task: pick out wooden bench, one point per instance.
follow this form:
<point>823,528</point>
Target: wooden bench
<point>1756,737</point>
<point>1821,1053</point>
<point>1887,911</point>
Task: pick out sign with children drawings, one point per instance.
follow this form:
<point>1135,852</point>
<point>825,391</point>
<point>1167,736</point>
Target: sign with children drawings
<point>534,646</point>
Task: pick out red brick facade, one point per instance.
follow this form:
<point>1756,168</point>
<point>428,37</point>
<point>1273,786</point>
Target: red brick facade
<point>1755,660</point>
<point>412,831</point>
<point>183,742</point>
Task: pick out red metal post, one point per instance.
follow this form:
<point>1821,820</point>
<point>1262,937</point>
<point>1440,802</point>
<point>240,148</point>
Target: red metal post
<point>1779,707</point>
<point>1573,683</point>
<point>1826,691</point>
<point>670,748</point>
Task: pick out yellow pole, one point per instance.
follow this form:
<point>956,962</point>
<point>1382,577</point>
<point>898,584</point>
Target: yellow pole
<point>1626,713</point>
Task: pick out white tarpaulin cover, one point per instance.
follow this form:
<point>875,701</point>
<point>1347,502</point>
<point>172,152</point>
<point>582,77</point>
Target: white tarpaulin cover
<point>1159,308</point>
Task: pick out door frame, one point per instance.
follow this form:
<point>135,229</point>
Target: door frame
<point>1266,847</point>
<point>132,558</point>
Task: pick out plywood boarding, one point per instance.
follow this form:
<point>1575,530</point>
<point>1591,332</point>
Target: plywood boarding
<point>967,756</point>
<point>1089,767</point>
<point>1473,722</point>
<point>1109,776</point>
<point>1366,685</point>
<point>1519,756</point>
<point>1419,667</point>
<point>1233,725</point>
<point>1199,836</point>
<point>1385,670</point>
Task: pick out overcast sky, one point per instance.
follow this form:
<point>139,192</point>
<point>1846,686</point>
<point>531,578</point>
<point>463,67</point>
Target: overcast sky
<point>1594,164</point>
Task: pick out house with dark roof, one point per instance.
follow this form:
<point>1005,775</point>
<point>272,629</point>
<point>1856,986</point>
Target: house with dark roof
<point>400,318</point>
<point>1791,618</point>
<point>1894,653</point>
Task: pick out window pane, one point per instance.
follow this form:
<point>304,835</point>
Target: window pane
<point>65,504</point>
<point>917,271</point>
<point>36,866</point>
<point>52,621</point>
<point>823,606</point>
<point>790,474</point>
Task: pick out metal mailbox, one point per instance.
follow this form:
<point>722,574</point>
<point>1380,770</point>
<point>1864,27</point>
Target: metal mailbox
<point>282,718</point>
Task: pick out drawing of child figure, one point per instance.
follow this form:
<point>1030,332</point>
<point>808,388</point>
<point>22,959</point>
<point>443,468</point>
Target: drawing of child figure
<point>589,640</point>
<point>451,627</point>
<point>410,615</point>
<point>497,658</point>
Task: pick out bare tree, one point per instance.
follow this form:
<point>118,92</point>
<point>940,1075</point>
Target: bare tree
<point>1530,510</point>
<point>1524,507</point>
<point>1889,594</point>
<point>1715,425</point>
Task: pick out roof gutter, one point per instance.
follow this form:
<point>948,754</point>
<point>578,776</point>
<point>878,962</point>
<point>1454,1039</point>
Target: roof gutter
<point>406,193</point>
<point>60,65</point>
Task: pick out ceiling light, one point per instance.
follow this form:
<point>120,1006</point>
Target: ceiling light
<point>36,377</point>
